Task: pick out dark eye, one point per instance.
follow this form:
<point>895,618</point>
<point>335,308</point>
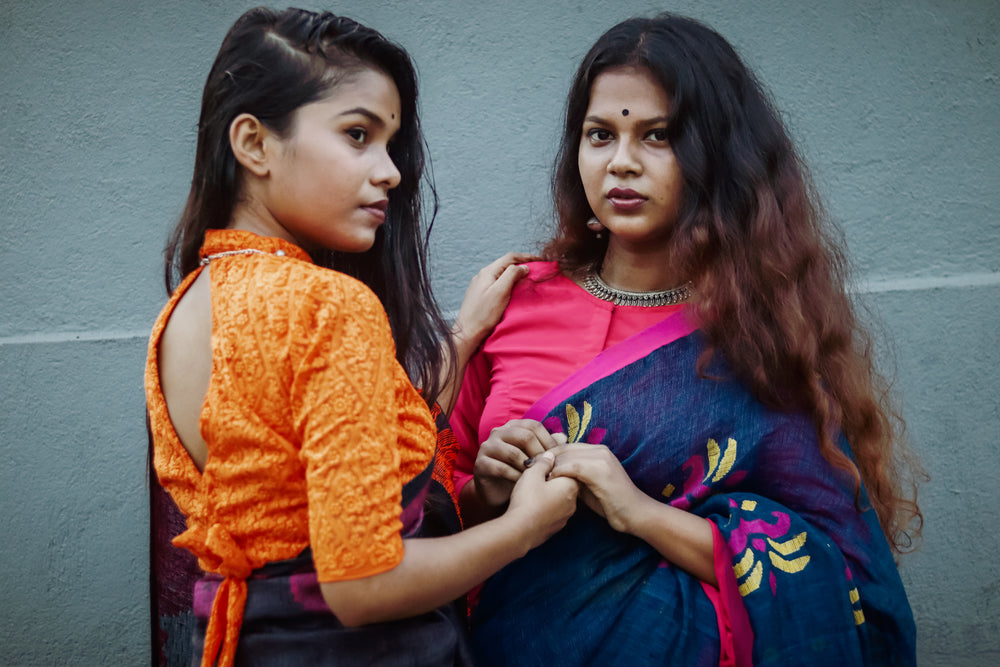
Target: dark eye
<point>598,135</point>
<point>659,134</point>
<point>358,134</point>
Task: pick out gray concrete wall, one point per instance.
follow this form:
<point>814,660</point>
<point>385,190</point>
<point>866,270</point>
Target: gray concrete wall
<point>895,104</point>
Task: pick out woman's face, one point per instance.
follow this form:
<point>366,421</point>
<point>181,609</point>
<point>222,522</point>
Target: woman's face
<point>331,177</point>
<point>631,178</point>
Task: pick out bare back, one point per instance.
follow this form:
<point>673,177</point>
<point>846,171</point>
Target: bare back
<point>185,358</point>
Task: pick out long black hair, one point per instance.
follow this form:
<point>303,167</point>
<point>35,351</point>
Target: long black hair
<point>270,64</point>
<point>767,264</point>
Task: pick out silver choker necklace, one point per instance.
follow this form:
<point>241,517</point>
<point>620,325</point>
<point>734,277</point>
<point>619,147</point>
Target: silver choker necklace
<point>620,297</point>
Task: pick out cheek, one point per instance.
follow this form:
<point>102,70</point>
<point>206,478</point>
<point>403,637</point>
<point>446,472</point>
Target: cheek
<point>668,177</point>
<point>591,175</point>
<point>676,184</point>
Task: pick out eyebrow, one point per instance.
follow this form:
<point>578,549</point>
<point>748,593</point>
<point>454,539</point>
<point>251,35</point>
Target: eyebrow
<point>361,111</point>
<point>650,121</point>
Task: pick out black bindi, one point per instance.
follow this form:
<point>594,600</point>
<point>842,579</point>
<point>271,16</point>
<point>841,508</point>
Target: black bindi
<point>624,112</point>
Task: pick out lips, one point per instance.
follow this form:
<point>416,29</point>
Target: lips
<point>377,209</point>
<point>625,199</point>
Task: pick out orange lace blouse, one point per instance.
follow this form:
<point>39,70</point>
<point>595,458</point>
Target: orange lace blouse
<point>311,424</point>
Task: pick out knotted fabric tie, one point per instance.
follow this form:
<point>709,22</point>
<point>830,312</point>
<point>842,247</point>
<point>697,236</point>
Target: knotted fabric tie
<point>218,552</point>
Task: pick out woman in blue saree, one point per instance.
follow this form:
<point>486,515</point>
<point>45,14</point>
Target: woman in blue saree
<point>691,356</point>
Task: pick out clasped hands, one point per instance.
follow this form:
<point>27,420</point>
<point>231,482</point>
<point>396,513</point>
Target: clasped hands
<point>604,485</point>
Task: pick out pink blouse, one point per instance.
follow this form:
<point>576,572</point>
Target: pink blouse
<point>551,328</point>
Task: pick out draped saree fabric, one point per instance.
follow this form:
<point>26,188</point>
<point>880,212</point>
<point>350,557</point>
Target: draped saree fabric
<point>286,621</point>
<point>807,578</point>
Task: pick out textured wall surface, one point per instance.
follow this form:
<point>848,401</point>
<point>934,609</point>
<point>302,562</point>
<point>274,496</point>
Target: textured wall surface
<point>894,103</point>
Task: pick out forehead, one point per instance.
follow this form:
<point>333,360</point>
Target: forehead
<point>368,89</point>
<point>632,88</point>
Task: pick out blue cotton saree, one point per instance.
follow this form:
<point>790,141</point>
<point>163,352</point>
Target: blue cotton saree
<point>805,577</point>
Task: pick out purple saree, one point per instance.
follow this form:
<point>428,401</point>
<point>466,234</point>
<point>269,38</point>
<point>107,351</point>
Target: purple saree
<point>809,577</point>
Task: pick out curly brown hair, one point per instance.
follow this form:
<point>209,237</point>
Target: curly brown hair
<point>766,262</point>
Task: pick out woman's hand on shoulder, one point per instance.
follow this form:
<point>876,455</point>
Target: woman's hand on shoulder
<point>486,298</point>
<point>608,490</point>
<point>482,307</point>
<point>501,459</point>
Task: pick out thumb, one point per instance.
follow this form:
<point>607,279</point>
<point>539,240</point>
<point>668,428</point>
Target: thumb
<point>541,465</point>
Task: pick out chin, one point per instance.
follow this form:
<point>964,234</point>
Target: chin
<point>354,245</point>
<point>360,240</point>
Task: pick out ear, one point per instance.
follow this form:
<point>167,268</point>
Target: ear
<point>247,137</point>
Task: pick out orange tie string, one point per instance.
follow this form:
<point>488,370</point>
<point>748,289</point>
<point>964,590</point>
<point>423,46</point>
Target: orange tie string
<point>218,552</point>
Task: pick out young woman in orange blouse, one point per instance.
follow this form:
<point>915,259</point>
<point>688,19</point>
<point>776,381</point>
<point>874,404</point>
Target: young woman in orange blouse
<point>280,377</point>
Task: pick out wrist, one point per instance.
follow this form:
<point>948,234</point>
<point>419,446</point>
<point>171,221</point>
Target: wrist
<point>463,338</point>
<point>516,532</point>
<point>641,520</point>
<point>464,349</point>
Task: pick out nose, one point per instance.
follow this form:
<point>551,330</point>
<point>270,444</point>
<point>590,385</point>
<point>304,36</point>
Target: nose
<point>624,161</point>
<point>385,172</point>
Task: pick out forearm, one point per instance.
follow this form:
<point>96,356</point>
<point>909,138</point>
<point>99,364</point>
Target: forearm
<point>454,370</point>
<point>433,572</point>
<point>436,570</point>
<point>682,538</point>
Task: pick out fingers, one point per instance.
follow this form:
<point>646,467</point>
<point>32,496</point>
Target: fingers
<point>551,444</point>
<point>488,466</point>
<point>486,297</point>
<point>509,277</point>
<point>524,438</point>
<point>501,264</point>
<point>539,472</point>
<point>583,462</point>
<point>566,488</point>
<point>508,451</point>
<point>542,438</point>
<point>562,447</point>
<point>540,465</point>
<point>544,504</point>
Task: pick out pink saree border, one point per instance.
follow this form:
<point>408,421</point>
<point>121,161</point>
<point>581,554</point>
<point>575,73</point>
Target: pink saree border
<point>671,328</point>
